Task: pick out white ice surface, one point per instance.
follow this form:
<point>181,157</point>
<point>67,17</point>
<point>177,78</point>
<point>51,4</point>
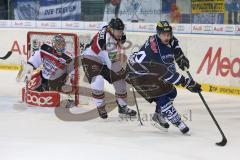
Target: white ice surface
<point>37,134</point>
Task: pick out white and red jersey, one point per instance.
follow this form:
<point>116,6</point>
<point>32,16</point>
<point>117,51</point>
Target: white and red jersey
<point>104,46</point>
<point>54,64</point>
<point>104,40</point>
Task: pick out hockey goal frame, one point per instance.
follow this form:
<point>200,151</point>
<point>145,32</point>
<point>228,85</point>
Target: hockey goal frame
<point>76,56</point>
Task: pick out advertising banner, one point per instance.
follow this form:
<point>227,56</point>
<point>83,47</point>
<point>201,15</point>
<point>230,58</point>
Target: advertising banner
<point>223,29</point>
<point>208,6</point>
<point>134,10</point>
<point>182,28</point>
<point>60,11</point>
<point>47,10</point>
<point>202,28</point>
<point>214,59</point>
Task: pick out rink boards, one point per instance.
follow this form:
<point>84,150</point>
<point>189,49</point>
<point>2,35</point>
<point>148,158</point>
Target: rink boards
<point>214,59</point>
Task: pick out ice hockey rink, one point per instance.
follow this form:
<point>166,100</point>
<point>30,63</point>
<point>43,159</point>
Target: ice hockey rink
<point>31,133</point>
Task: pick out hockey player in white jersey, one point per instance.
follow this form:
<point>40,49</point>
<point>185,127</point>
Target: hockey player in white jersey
<point>100,62</point>
<point>55,67</point>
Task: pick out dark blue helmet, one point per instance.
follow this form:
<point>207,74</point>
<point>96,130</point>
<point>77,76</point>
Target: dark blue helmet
<point>116,23</point>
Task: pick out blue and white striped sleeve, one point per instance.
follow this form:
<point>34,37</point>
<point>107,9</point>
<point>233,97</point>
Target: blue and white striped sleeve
<point>174,77</point>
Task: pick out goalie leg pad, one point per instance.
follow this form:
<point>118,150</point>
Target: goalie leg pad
<point>57,84</point>
<point>35,82</point>
<point>41,99</point>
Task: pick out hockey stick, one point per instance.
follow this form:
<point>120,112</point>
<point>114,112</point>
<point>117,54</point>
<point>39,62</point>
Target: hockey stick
<point>26,91</point>
<point>9,53</point>
<point>20,72</point>
<point>224,139</point>
<point>135,99</point>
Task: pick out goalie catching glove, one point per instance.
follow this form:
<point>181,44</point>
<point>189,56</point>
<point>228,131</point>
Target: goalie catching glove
<point>27,73</point>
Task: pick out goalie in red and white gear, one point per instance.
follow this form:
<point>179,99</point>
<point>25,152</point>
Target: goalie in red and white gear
<point>101,61</point>
<point>48,68</point>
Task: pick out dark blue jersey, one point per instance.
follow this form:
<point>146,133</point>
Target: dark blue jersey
<point>156,58</point>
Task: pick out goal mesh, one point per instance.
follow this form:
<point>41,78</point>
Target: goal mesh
<point>36,39</point>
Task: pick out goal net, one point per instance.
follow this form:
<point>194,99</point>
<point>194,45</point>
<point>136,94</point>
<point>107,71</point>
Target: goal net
<point>36,39</point>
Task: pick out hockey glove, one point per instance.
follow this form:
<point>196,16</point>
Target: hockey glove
<point>27,73</point>
<point>192,86</point>
<point>123,39</point>
<point>183,62</point>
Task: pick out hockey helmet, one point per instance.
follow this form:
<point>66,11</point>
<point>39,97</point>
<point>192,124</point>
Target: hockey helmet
<point>59,43</point>
<point>163,26</point>
<point>116,23</point>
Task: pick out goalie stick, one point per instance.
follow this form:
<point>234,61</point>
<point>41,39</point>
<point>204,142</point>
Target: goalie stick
<point>224,139</point>
<point>20,73</point>
<point>9,53</point>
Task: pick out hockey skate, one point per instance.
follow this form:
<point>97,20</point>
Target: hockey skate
<point>182,127</point>
<point>125,111</point>
<point>70,103</point>
<point>159,122</point>
<point>102,112</point>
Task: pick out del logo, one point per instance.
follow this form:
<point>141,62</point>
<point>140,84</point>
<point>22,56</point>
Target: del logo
<point>224,65</point>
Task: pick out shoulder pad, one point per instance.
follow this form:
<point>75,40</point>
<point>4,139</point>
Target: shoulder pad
<point>47,48</point>
<point>66,57</point>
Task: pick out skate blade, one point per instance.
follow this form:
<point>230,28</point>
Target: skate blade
<point>187,134</point>
<point>70,106</point>
<point>124,116</point>
<point>154,124</point>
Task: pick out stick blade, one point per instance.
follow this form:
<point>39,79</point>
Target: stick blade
<point>222,143</point>
<point>6,56</point>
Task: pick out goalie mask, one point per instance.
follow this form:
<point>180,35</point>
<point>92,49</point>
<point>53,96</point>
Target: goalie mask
<point>59,43</point>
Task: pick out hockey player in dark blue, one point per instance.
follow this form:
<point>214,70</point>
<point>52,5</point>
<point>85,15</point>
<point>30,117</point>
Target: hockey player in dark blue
<point>153,74</point>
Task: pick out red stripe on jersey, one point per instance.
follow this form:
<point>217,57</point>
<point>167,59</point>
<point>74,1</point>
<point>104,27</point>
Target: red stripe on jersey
<point>53,59</point>
<point>95,46</point>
